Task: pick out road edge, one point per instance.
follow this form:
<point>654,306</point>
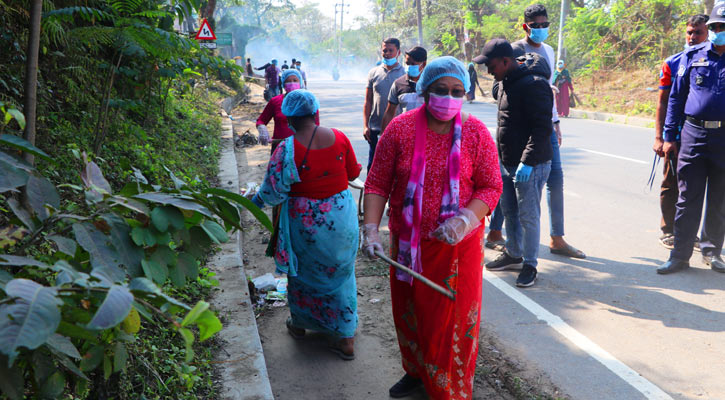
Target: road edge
<point>243,370</point>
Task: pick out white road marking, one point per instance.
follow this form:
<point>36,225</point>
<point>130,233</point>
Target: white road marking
<point>613,156</point>
<point>647,388</point>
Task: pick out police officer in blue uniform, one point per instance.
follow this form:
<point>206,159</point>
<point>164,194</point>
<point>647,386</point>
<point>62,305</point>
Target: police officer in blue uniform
<point>698,96</point>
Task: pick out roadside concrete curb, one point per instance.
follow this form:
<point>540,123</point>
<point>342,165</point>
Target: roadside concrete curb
<point>614,118</point>
<point>600,116</point>
<point>241,359</point>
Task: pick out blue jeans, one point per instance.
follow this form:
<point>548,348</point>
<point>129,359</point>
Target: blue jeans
<point>496,219</point>
<point>521,206</point>
<point>555,191</point>
<point>373,143</point>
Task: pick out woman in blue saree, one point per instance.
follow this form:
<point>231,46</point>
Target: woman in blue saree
<point>317,232</point>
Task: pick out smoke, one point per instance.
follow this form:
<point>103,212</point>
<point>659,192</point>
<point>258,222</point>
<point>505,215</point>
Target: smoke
<point>318,64</point>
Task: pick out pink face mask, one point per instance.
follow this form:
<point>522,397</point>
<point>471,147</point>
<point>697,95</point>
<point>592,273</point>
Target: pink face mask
<point>290,86</point>
<point>444,108</point>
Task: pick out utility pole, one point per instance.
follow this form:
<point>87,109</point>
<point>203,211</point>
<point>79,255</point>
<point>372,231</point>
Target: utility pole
<point>562,21</point>
<point>342,16</point>
<point>420,23</point>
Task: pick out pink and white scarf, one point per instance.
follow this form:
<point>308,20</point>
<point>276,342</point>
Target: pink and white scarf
<point>409,239</point>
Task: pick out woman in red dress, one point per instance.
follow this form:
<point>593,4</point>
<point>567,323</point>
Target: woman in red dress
<point>291,80</point>
<point>446,159</point>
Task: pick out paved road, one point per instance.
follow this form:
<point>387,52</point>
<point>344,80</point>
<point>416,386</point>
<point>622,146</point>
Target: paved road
<point>659,335</point>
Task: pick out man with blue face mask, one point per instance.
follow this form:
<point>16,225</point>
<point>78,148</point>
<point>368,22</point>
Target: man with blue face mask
<point>403,97</point>
<point>380,79</point>
<point>697,94</point>
<point>536,26</point>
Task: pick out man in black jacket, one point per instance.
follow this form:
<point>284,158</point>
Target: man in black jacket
<point>525,102</point>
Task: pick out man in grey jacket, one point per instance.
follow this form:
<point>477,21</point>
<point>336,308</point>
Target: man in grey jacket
<point>525,102</point>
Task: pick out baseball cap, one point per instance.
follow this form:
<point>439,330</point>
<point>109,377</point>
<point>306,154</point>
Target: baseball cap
<point>717,16</point>
<point>495,48</point>
<point>417,53</point>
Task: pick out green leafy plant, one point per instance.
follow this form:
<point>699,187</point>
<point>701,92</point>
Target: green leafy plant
<point>77,281</point>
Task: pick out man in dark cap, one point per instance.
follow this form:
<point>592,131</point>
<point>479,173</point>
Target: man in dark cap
<point>402,95</point>
<point>525,103</point>
<point>698,95</point>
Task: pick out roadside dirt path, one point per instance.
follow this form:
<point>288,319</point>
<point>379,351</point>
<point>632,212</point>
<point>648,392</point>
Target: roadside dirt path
<point>306,369</point>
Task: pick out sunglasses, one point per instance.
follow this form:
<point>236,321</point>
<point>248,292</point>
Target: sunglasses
<point>718,27</point>
<point>537,25</point>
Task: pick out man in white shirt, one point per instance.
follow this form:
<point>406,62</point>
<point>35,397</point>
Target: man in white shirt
<point>536,26</point>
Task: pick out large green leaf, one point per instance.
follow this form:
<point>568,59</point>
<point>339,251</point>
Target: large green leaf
<point>215,231</point>
<point>114,308</point>
<point>18,261</point>
<point>15,162</point>
<point>143,285</point>
<point>22,214</point>
<point>164,216</point>
<point>178,201</point>
<point>195,313</point>
<point>244,202</point>
<point>208,325</point>
<point>65,245</point>
<point>104,258</point>
<point>128,252</point>
<point>11,380</point>
<point>155,271</point>
<point>29,321</point>
<point>68,274</point>
<point>22,144</point>
<point>11,177</point>
<point>41,192</point>
<point>5,277</point>
<point>63,345</point>
<point>93,178</point>
<point>188,265</point>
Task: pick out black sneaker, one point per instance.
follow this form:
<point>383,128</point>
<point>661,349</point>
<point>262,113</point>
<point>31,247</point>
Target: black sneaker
<point>668,241</point>
<point>405,387</point>
<point>527,277</point>
<point>502,262</point>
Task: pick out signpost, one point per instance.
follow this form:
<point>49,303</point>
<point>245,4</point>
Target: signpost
<point>224,39</point>
<point>204,34</point>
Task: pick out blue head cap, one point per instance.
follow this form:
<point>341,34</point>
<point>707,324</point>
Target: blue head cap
<point>286,73</point>
<point>299,103</point>
<point>274,61</point>
<point>440,67</point>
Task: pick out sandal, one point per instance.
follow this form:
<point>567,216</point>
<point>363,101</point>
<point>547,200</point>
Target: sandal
<point>499,245</point>
<point>568,251</point>
<point>336,347</point>
<point>295,332</point>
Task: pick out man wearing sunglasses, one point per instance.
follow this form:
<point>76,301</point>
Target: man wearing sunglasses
<point>698,93</point>
<point>536,27</point>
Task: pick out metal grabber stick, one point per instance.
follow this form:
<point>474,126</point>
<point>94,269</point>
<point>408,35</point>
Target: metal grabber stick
<point>438,288</point>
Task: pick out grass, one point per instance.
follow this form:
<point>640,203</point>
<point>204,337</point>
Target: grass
<point>632,93</point>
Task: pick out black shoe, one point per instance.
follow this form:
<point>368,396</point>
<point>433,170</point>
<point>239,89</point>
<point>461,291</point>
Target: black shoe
<point>502,262</point>
<point>527,277</point>
<point>673,265</point>
<point>714,262</point>
<point>405,387</point>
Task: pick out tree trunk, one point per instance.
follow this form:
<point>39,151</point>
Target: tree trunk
<point>709,4</point>
<point>31,75</point>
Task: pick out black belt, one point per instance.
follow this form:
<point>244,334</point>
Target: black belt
<point>705,124</point>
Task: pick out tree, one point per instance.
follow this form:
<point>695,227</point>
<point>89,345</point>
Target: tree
<point>31,75</point>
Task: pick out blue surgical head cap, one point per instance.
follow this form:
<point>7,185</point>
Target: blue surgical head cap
<point>286,73</point>
<point>299,103</point>
<point>440,67</point>
<point>274,61</point>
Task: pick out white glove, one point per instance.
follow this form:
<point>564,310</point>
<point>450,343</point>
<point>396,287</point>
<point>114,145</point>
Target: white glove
<point>455,229</point>
<point>263,135</point>
<point>371,241</point>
